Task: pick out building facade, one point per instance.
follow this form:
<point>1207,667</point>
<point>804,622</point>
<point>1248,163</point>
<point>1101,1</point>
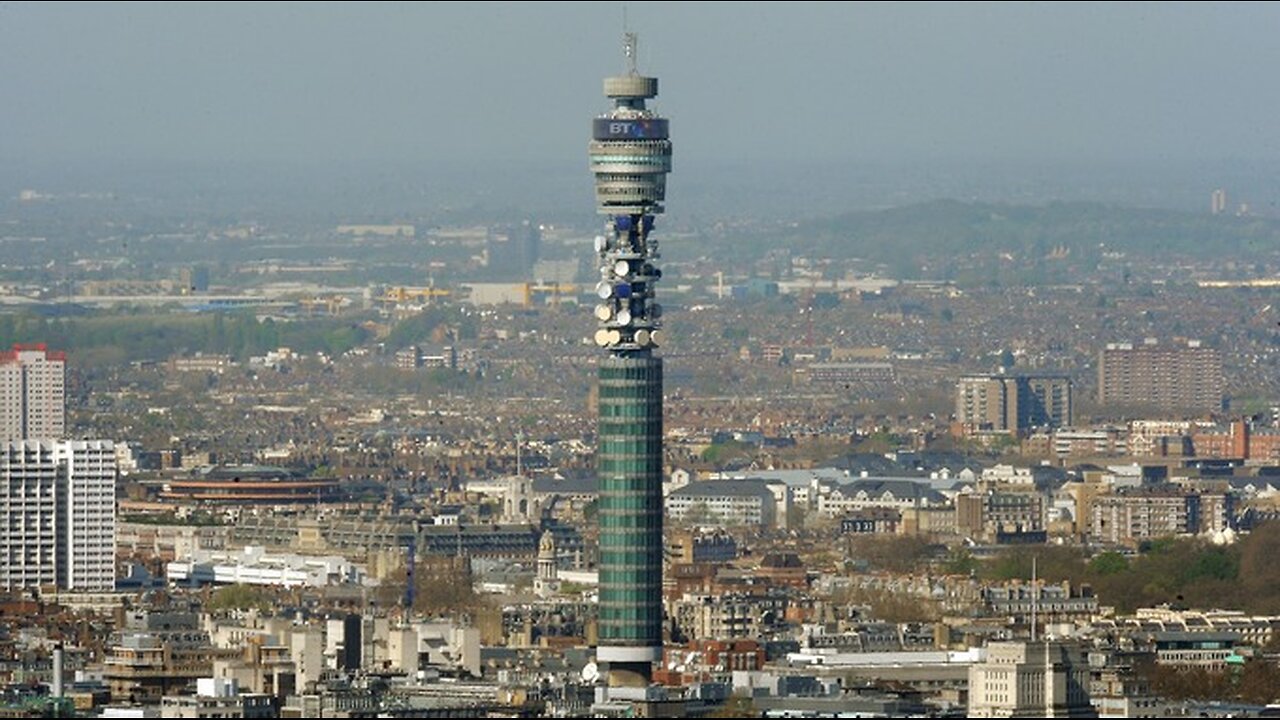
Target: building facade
<point>32,393</point>
<point>1037,679</point>
<point>1182,377</point>
<point>1012,403</point>
<point>1131,515</point>
<point>58,503</point>
<point>724,502</point>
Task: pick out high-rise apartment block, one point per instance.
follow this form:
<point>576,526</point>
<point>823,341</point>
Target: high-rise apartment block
<point>57,514</point>
<point>1172,377</point>
<point>630,153</point>
<point>32,393</point>
<point>1012,403</point>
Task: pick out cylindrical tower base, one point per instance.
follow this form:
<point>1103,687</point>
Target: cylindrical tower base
<point>629,466</point>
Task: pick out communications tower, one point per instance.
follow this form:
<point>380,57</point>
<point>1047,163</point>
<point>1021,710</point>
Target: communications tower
<point>630,158</point>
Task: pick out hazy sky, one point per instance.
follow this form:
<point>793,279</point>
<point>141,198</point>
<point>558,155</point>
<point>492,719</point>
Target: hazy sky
<point>440,82</point>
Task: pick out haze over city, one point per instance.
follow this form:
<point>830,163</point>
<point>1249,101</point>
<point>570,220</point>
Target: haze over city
<point>644,360</point>
<point>854,105</point>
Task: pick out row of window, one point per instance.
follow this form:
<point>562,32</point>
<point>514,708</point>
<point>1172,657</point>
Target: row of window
<point>629,595</point>
<point>637,521</point>
<point>630,553</point>
<point>635,614</point>
<point>638,372</point>
<point>629,410</point>
<point>630,447</point>
<point>610,468</point>
<point>646,577</point>
<point>650,431</point>
<point>627,503</point>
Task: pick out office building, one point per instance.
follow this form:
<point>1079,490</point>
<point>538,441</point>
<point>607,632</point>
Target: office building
<point>1131,515</point>
<point>986,516</point>
<point>512,251</point>
<point>1170,377</point>
<point>57,499</point>
<point>32,393</point>
<point>1012,403</point>
<point>1037,679</point>
<point>630,157</point>
<point>1218,201</point>
<point>724,502</point>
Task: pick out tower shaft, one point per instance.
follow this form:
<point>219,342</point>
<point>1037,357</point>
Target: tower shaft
<point>630,156</point>
<point>629,466</point>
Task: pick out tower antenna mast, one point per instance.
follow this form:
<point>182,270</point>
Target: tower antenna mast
<point>629,42</point>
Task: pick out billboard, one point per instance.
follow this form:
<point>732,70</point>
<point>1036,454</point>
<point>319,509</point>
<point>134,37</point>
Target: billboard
<point>639,129</point>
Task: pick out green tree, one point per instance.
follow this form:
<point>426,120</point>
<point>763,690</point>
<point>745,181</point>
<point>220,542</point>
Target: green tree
<point>1108,563</point>
<point>240,597</point>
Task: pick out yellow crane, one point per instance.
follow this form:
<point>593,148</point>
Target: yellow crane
<point>533,290</point>
<point>425,295</point>
<point>330,304</point>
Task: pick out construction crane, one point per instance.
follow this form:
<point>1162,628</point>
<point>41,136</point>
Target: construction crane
<point>330,304</point>
<point>533,290</point>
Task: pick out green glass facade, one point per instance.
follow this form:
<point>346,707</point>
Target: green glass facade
<point>629,465</point>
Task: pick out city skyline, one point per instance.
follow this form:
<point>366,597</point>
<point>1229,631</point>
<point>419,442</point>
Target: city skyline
<point>949,387</point>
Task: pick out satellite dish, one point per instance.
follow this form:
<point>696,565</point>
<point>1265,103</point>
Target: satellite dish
<point>624,317</point>
<point>590,672</point>
<point>601,243</point>
<point>642,337</point>
<point>656,337</point>
<point>621,268</point>
<point>603,312</point>
<point>615,337</point>
<point>602,337</point>
<point>604,290</point>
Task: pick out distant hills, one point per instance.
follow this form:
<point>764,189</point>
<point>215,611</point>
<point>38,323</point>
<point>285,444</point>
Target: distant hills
<point>947,239</point>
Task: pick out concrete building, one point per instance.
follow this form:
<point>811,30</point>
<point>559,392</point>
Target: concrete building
<point>89,471</point>
<point>1185,377</point>
<point>630,156</point>
<point>32,393</point>
<point>59,501</point>
<point>702,547</point>
<point>989,515</point>
<point>848,373</point>
<point>218,698</point>
<point>724,502</point>
<point>254,566</point>
<point>1131,515</point>
<point>250,484</point>
<point>1012,403</point>
<point>725,616</point>
<point>306,650</point>
<point>1038,679</point>
<point>871,521</point>
<point>512,251</point>
<point>1218,201</point>
<point>1049,603</point>
<point>159,654</point>
<point>1119,692</point>
<point>890,493</point>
